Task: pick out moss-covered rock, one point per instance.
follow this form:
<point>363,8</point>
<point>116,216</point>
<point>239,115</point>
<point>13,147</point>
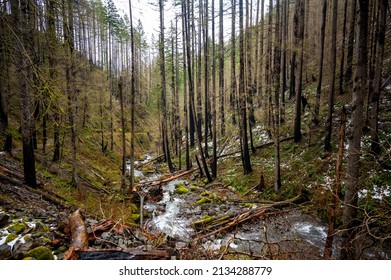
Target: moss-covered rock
<point>11,237</point>
<point>181,190</point>
<point>193,188</point>
<point>40,253</point>
<point>203,200</point>
<point>28,259</point>
<point>17,227</point>
<point>202,221</point>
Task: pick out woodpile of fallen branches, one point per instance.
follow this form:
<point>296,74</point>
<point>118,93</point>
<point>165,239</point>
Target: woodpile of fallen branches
<point>79,246</point>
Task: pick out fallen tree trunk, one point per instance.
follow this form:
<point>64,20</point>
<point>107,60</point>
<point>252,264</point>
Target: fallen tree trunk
<point>257,147</point>
<point>149,161</point>
<point>166,180</point>
<point>79,235</point>
<point>225,223</point>
<point>121,254</point>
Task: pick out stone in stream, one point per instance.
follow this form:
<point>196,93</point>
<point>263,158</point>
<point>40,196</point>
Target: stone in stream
<point>4,219</point>
<point>5,252</point>
<point>21,249</point>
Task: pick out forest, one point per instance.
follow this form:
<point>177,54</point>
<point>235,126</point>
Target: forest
<point>239,130</point>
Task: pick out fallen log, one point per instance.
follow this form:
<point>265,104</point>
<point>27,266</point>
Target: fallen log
<point>225,224</point>
<point>149,161</point>
<point>257,147</point>
<point>121,254</point>
<point>164,181</point>
<point>79,235</point>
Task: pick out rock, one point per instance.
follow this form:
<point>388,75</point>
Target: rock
<point>11,237</point>
<point>17,227</point>
<point>40,253</point>
<point>106,235</point>
<point>20,249</point>
<point>5,252</point>
<point>4,220</point>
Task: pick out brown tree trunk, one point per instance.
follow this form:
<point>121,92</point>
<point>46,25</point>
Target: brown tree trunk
<point>242,98</point>
<point>320,78</point>
<point>166,147</point>
<point>333,60</point>
<point>374,102</point>
<point>221,69</point>
<point>298,21</point>
<point>355,134</point>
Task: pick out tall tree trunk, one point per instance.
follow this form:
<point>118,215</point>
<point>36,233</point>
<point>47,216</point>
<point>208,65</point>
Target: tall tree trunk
<point>185,92</point>
<point>350,48</point>
<point>166,147</point>
<point>320,78</point>
<point>121,102</point>
<point>299,41</point>
<point>355,134</point>
<point>70,74</point>
<point>333,60</point>
<point>233,91</point>
<point>242,98</point>
<point>374,102</point>
<point>221,69</point>
<point>206,75</point>
<point>214,95</point>
<point>342,64</point>
<point>277,86</point>
<point>21,18</point>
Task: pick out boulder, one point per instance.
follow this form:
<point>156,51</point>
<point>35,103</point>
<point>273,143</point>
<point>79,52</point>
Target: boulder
<point>40,253</point>
<point>4,220</point>
<point>20,249</point>
<point>5,252</point>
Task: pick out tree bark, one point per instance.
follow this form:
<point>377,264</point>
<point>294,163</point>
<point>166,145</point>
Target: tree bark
<point>354,135</point>
<point>166,147</point>
<point>242,98</point>
<point>321,58</point>
<point>332,75</point>
<point>298,21</point>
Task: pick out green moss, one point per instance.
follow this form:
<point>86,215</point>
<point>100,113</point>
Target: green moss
<point>10,237</point>
<point>204,194</point>
<point>135,217</point>
<point>202,221</point>
<point>203,201</point>
<point>27,238</point>
<point>178,185</point>
<point>181,190</point>
<point>17,228</point>
<point>45,241</point>
<point>28,259</point>
<point>40,253</point>
<point>193,188</point>
<point>249,205</point>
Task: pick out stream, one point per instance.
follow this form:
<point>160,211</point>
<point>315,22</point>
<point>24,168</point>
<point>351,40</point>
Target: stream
<point>290,234</point>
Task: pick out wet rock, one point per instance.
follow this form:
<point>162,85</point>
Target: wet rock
<point>4,220</point>
<point>106,235</point>
<point>5,252</point>
<point>21,249</point>
<point>17,228</point>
